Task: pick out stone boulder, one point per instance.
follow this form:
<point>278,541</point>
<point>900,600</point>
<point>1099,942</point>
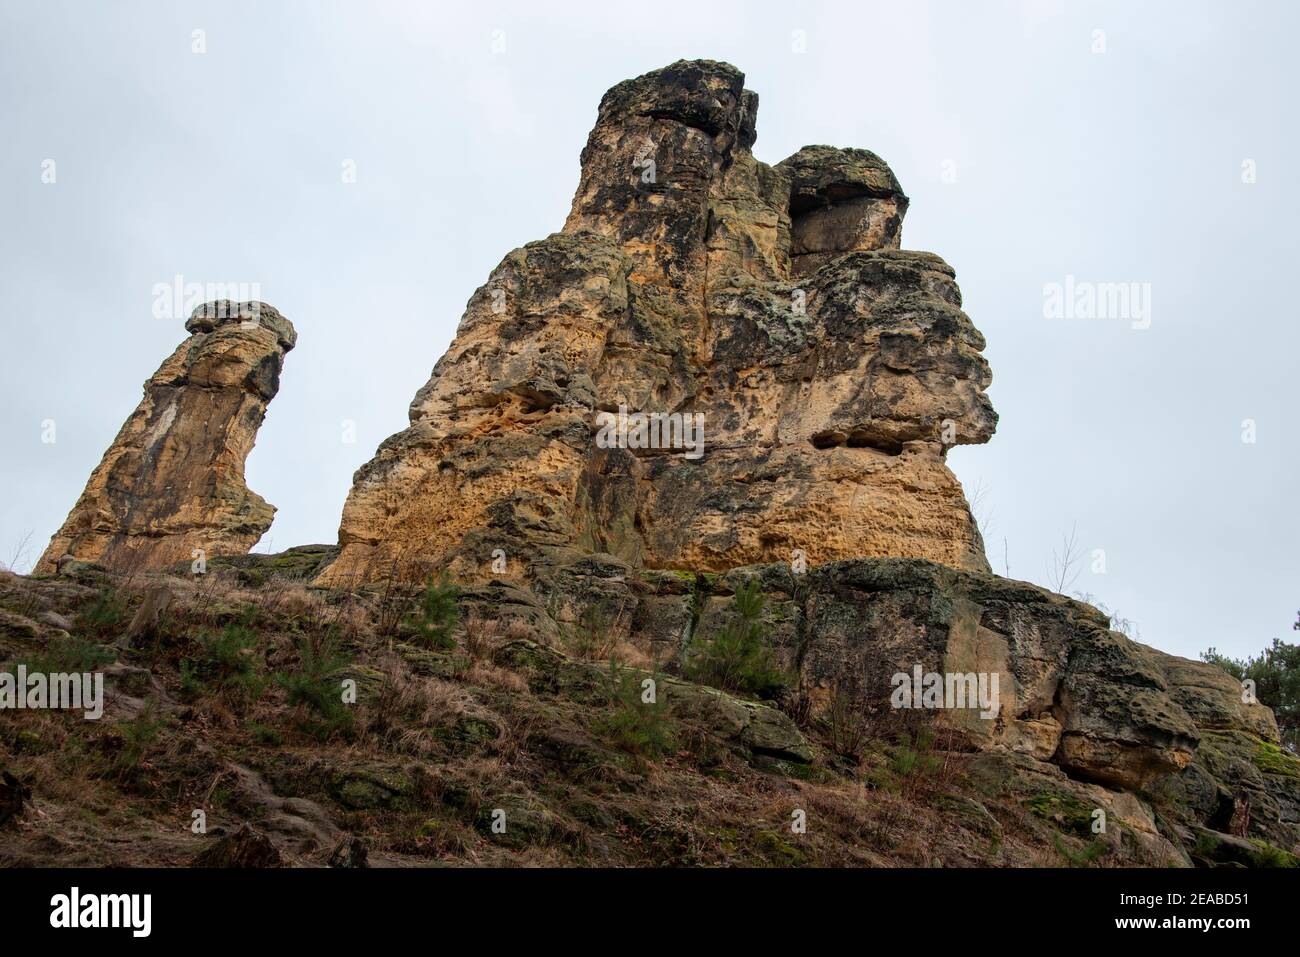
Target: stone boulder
<point>245,847</point>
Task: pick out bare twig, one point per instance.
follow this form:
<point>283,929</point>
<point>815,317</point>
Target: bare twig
<point>19,553</point>
<point>1063,571</point>
<point>981,508</point>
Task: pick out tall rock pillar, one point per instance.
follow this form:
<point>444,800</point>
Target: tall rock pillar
<point>172,483</point>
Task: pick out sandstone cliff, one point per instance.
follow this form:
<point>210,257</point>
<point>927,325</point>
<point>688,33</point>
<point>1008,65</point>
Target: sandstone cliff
<point>172,482</point>
<point>829,369</point>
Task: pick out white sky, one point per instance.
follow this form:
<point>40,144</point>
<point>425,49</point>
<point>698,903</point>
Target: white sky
<point>1122,166</point>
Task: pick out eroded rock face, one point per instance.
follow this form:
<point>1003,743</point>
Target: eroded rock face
<point>173,479</point>
<point>1069,690</point>
<point>1112,722</point>
<point>832,370</point>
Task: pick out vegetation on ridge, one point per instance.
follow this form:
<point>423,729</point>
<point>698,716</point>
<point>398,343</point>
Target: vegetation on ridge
<point>237,706</point>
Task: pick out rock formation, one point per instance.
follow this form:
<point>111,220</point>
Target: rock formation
<point>1081,710</point>
<point>721,379</point>
<point>828,370</point>
<point>832,371</point>
<point>173,480</point>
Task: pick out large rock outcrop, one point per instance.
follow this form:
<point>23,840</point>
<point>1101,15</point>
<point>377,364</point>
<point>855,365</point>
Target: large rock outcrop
<point>831,370</point>
<point>172,482</point>
<point>1077,704</point>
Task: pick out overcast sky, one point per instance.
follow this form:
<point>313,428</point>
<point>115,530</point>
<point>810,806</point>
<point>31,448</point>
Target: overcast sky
<point>1033,147</point>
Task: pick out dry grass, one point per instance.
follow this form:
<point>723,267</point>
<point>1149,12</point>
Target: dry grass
<point>482,636</point>
<point>517,629</point>
<point>512,746</point>
<point>484,674</point>
<point>626,653</point>
<point>293,599</point>
<point>407,708</point>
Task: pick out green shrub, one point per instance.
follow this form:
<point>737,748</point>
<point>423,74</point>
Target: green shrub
<point>915,767</point>
<point>228,663</point>
<point>103,616</point>
<point>437,616</point>
<point>138,735</point>
<point>738,657</point>
<point>264,735</point>
<point>317,686</point>
<point>636,726</point>
<point>70,655</point>
<point>914,754</point>
<point>1086,856</point>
